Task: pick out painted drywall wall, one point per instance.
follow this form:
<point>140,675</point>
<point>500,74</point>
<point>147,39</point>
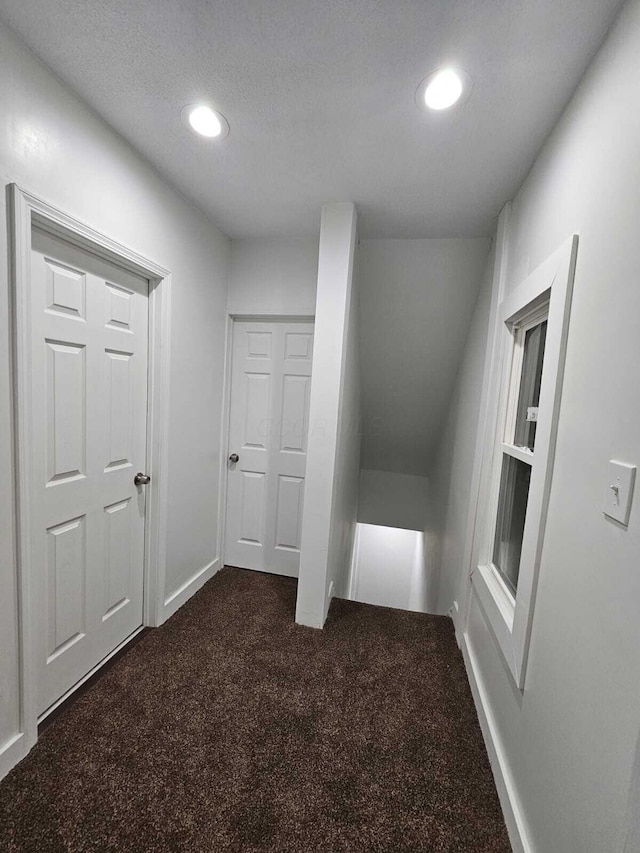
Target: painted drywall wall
<point>331,489</point>
<point>346,491</point>
<point>632,840</point>
<point>450,495</point>
<point>387,568</point>
<point>57,148</point>
<point>568,741</point>
<point>392,500</point>
<point>416,302</point>
<point>273,276</point>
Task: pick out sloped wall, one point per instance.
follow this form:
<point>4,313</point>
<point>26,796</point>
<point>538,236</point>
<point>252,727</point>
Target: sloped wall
<point>393,500</point>
<point>416,303</point>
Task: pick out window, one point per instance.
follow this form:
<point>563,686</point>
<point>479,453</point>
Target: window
<point>533,323</point>
<point>518,446</point>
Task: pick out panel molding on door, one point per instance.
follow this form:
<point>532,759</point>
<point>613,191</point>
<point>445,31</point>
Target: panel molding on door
<point>268,424</point>
<point>89,428</point>
<point>65,572</point>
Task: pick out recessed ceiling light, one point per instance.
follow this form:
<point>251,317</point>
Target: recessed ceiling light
<point>443,88</point>
<point>205,121</point>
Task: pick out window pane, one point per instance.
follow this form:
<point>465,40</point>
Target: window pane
<point>512,508</point>
<point>529,398</point>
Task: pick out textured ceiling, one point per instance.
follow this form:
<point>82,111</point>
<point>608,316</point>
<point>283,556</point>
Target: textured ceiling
<point>320,98</point>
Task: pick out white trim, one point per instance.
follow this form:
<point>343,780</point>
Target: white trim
<point>498,606</point>
<point>564,262</point>
<point>310,619</point>
<point>519,329</point>
<point>231,319</point>
<point>183,593</point>
<point>454,615</point>
<point>507,792</point>
<point>13,751</point>
<point>21,387</point>
<point>352,580</point>
<point>521,453</point>
<point>224,437</point>
<point>279,317</point>
<point>157,449</point>
<point>552,281</point>
<point>521,306</point>
<point>328,600</point>
<point>27,210</point>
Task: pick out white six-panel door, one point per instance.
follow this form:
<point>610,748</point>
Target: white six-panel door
<point>268,426</point>
<point>89,381</point>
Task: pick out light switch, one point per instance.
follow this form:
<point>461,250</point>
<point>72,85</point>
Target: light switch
<point>620,481</point>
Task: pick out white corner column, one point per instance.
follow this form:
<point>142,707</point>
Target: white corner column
<point>335,276</point>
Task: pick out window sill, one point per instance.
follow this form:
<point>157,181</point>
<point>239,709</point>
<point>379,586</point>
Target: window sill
<point>499,607</point>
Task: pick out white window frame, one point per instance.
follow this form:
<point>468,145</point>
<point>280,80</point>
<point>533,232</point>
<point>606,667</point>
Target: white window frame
<point>545,294</point>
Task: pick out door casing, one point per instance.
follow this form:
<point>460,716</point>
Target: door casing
<point>27,210</point>
<point>280,317</point>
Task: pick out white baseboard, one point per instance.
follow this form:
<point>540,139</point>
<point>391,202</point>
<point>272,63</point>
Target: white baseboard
<point>309,619</point>
<point>178,597</point>
<point>327,604</point>
<point>454,614</point>
<point>509,800</point>
<point>12,752</point>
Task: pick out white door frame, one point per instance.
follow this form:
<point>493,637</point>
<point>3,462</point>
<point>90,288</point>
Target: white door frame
<point>280,317</point>
<point>27,210</point>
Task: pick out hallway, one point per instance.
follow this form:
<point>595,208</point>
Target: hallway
<point>232,728</point>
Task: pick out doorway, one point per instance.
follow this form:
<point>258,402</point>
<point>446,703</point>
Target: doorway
<point>91,326</point>
<point>270,388</point>
<point>89,364</point>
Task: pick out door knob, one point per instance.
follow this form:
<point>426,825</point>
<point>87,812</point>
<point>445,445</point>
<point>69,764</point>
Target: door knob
<point>234,458</point>
<point>141,479</point>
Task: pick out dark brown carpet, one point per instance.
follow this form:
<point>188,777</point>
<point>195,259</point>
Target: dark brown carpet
<point>232,729</point>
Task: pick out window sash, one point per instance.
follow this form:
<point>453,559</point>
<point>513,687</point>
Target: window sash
<point>530,318</point>
<point>510,522</point>
<point>521,453</point>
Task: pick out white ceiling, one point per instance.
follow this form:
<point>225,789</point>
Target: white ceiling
<point>320,98</point>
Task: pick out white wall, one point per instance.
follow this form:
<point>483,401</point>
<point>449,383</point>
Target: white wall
<point>346,491</point>
<point>333,451</point>
<point>450,494</point>
<point>416,302</point>
<point>632,841</point>
<point>568,742</point>
<point>273,276</point>
<point>392,500</point>
<point>54,146</point>
<point>388,568</point>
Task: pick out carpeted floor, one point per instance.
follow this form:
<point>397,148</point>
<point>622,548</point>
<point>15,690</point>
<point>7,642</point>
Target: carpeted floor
<point>232,729</point>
